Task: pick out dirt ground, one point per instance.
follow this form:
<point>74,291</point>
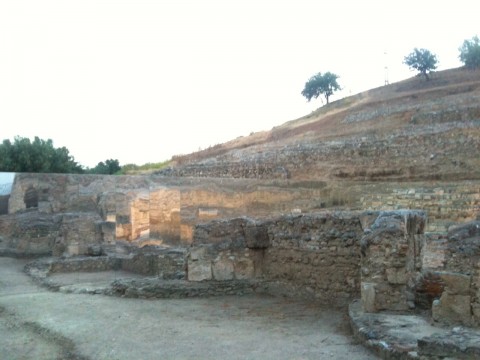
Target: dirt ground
<point>39,324</point>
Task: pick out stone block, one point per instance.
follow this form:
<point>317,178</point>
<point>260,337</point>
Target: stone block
<point>207,213</point>
<point>244,269</point>
<point>108,230</point>
<point>452,309</point>
<point>199,270</point>
<point>73,250</point>
<point>256,236</point>
<point>367,219</point>
<point>476,313</point>
<point>368,297</point>
<point>455,283</point>
<point>197,253</point>
<point>186,233</point>
<point>391,297</point>
<point>94,250</point>
<point>469,230</point>
<point>221,233</point>
<point>223,269</point>
<point>396,275</point>
<point>44,206</point>
<point>457,343</point>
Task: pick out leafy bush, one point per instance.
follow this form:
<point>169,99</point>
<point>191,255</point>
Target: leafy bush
<point>39,156</point>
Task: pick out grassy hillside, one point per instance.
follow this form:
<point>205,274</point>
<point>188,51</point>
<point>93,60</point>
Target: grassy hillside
<point>410,130</point>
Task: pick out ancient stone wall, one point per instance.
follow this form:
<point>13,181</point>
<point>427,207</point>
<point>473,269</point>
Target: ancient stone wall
<point>220,251</point>
<point>446,203</point>
<point>162,209</point>
<point>166,264</point>
<point>28,233</point>
<point>165,215</point>
<point>77,233</point>
<point>433,143</point>
<point>455,280</point>
<point>140,216</point>
<point>175,205</point>
<point>36,233</point>
<point>166,210</point>
<point>391,260</point>
<point>284,242</point>
<point>403,269</point>
<point>315,256</point>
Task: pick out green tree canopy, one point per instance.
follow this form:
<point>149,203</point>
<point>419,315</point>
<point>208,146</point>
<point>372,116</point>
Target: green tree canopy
<point>319,84</point>
<point>108,167</point>
<point>38,155</point>
<point>421,60</point>
<point>470,53</point>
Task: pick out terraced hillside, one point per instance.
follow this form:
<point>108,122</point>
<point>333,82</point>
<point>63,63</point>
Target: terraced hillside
<point>414,130</point>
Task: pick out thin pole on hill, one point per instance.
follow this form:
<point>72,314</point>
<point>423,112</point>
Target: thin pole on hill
<point>386,68</point>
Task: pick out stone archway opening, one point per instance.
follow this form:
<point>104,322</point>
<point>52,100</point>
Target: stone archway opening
<point>31,198</point>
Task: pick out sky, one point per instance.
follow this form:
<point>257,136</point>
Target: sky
<point>141,81</point>
<point>6,182</point>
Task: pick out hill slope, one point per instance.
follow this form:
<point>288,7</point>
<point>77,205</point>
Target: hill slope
<point>410,130</point>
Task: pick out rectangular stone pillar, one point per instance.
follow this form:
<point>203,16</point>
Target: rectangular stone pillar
<point>390,260</point>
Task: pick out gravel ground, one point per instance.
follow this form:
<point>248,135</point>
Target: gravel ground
<point>38,324</point>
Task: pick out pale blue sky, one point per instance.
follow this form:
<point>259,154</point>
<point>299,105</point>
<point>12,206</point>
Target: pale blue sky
<point>141,81</point>
<point>6,182</point>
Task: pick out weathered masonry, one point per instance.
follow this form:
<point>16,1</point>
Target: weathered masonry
<point>167,209</point>
<point>307,239</point>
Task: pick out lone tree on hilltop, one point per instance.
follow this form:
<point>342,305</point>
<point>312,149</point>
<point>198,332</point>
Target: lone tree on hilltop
<point>470,53</point>
<point>319,84</point>
<point>421,60</point>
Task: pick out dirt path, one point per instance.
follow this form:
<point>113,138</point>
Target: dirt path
<point>37,324</point>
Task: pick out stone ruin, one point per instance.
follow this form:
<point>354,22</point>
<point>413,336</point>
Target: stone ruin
<point>202,238</point>
<point>403,268</point>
